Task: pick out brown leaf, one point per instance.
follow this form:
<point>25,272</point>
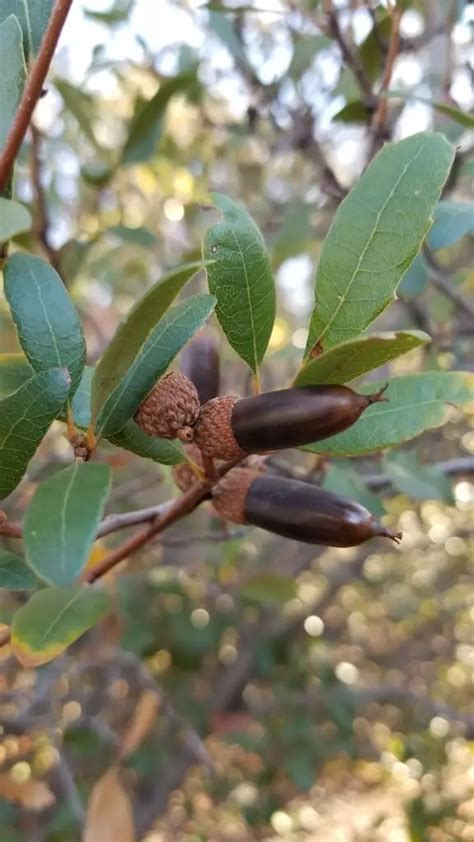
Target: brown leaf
<point>142,722</point>
<point>109,812</point>
<point>32,794</point>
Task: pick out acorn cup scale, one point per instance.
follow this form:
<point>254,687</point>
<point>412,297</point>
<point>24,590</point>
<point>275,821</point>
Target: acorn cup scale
<point>171,408</point>
<point>229,428</point>
<point>295,510</point>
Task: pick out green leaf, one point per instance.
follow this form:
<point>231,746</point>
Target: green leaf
<point>136,236</point>
<point>14,371</point>
<point>14,218</point>
<point>53,619</point>
<point>412,477</point>
<point>416,402</point>
<point>462,117</point>
<point>353,112</point>
<point>40,13</point>
<point>62,519</point>
<point>241,279</point>
<point>134,329</point>
<point>81,105</point>
<point>15,575</point>
<point>415,279</point>
<point>452,220</point>
<point>24,419</point>
<point>343,480</point>
<point>350,359</point>
<point>223,27</point>
<point>375,236</point>
<point>20,10</point>
<point>12,73</point>
<point>49,329</point>
<point>293,235</point>
<point>269,587</point>
<point>304,51</point>
<point>159,349</point>
<point>81,402</point>
<point>132,438</point>
<point>146,127</point>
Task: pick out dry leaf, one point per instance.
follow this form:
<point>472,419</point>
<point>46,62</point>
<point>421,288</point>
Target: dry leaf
<point>33,794</point>
<point>109,812</point>
<point>142,722</point>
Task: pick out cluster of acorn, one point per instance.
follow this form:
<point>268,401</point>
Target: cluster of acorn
<point>228,428</point>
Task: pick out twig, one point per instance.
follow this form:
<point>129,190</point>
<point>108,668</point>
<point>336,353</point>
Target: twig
<point>112,523</point>
<point>380,116</point>
<point>42,222</point>
<point>32,90</point>
<point>446,286</point>
<point>351,58</point>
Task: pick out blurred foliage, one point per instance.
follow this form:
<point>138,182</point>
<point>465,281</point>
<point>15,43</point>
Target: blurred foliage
<point>329,689</point>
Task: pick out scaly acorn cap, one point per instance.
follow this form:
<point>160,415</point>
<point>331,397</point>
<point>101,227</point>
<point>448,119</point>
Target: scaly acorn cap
<point>296,510</point>
<point>213,430</point>
<point>183,474</point>
<point>230,428</point>
<point>171,408</point>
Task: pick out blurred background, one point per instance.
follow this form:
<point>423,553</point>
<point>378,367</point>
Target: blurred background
<point>249,687</point>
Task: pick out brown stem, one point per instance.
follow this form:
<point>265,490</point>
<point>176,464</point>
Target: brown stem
<point>350,57</point>
<point>380,116</point>
<point>32,90</point>
<point>42,221</point>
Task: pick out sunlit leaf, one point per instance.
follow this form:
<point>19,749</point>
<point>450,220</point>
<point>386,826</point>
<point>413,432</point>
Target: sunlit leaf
<point>81,105</point>
<point>160,348</point>
<point>415,403</point>
<point>350,359</point>
<point>53,619</point>
<point>241,279</point>
<point>109,812</point>
<point>15,575</point>
<point>134,329</point>
<point>62,520</point>
<point>24,419</point>
<point>375,235</point>
<point>49,328</point>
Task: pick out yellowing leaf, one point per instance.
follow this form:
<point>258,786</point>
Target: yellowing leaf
<point>32,794</point>
<point>109,813</point>
<point>142,722</point>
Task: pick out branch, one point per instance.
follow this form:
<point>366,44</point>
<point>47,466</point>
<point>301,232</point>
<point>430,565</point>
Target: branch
<point>42,221</point>
<point>446,286</point>
<point>351,58</point>
<point>380,117</point>
<point>32,90</point>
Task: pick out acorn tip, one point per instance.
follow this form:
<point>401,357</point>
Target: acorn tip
<point>378,397</point>
<point>396,537</point>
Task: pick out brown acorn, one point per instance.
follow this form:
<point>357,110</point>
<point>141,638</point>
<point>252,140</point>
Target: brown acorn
<point>200,362</point>
<point>229,428</point>
<point>183,473</point>
<point>171,408</point>
<point>295,510</point>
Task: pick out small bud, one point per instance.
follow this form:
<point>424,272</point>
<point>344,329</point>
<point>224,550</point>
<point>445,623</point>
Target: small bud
<point>171,408</point>
<point>295,510</point>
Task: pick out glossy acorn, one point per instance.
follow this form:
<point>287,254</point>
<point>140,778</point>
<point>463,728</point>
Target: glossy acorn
<point>200,363</point>
<point>295,510</point>
<point>228,428</point>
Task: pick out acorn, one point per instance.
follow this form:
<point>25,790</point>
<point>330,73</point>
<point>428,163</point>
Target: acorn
<point>200,362</point>
<point>171,408</point>
<point>295,510</point>
<point>183,473</point>
<point>230,428</point>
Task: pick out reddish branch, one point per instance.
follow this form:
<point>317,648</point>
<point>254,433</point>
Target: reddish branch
<point>32,90</point>
<point>380,116</point>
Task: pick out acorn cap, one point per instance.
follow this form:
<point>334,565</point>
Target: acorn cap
<point>171,408</point>
<point>230,494</point>
<point>183,473</point>
<point>213,430</point>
